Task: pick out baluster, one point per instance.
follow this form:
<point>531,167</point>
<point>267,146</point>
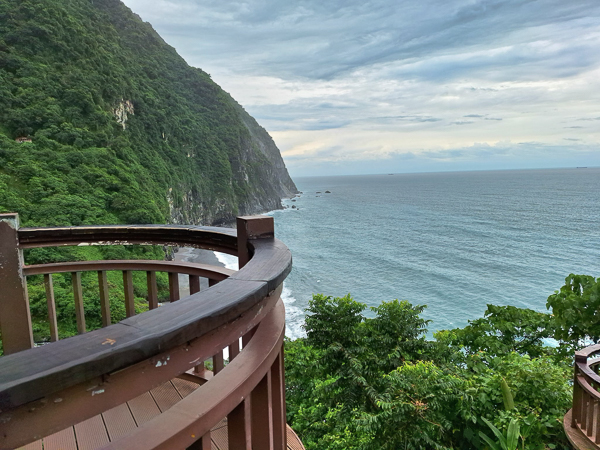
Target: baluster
<point>262,415</point>
<point>15,318</point>
<point>200,370</point>
<point>238,426</point>
<point>212,282</point>
<point>129,297</point>
<point>590,415</point>
<point>78,296</point>
<point>218,362</point>
<point>577,400</point>
<point>597,420</point>
<point>152,290</point>
<point>246,337</point>
<point>278,403</point>
<point>51,307</point>
<point>104,299</point>
<point>584,409</point>
<point>234,349</point>
<point>173,287</point>
<point>194,284</point>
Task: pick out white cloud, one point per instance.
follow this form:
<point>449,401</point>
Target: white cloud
<point>341,82</point>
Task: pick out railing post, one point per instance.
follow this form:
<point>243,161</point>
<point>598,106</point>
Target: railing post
<point>250,228</point>
<point>261,403</point>
<point>15,318</point>
<point>576,413</point>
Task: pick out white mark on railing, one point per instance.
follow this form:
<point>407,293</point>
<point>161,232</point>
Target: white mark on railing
<point>98,392</point>
<point>57,400</point>
<point>163,363</point>
<point>5,419</point>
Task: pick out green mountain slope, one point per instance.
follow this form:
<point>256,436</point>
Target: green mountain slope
<point>122,130</point>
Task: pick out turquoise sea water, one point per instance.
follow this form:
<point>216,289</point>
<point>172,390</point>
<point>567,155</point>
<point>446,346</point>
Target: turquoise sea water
<point>453,241</point>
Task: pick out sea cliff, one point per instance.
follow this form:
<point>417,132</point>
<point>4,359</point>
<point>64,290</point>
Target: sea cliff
<point>101,121</point>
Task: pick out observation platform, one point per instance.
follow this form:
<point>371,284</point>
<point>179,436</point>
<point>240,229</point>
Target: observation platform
<point>582,422</point>
<point>145,382</point>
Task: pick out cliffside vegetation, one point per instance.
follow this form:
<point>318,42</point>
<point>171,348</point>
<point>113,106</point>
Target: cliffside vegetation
<point>102,122</point>
<point>378,383</point>
<point>122,130</point>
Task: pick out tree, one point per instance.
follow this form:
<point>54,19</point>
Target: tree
<point>576,309</point>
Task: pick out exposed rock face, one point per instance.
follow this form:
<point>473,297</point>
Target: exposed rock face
<point>124,108</point>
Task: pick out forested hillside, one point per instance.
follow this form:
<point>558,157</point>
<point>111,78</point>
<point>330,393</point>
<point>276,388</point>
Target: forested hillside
<point>122,130</point>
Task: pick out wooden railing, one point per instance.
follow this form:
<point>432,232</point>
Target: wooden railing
<point>582,423</point>
<point>46,389</point>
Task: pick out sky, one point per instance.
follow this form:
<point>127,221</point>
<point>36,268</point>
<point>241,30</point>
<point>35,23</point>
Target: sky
<point>358,87</point>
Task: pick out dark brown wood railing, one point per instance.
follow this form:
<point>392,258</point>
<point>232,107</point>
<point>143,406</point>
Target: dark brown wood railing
<point>46,389</point>
<point>582,422</point>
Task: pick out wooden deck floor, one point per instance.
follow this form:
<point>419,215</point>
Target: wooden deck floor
<point>99,430</point>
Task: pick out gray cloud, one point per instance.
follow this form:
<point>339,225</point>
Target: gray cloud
<point>343,81</point>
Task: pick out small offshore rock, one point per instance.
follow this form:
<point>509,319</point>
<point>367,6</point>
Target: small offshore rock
<point>328,192</point>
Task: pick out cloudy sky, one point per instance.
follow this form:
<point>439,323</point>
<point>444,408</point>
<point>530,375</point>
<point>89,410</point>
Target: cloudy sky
<point>381,86</point>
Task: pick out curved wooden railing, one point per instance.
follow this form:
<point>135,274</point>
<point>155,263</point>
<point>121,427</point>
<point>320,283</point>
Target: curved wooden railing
<point>582,423</point>
<point>49,388</point>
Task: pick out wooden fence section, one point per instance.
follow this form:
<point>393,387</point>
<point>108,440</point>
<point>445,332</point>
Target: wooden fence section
<point>582,422</point>
<point>51,388</point>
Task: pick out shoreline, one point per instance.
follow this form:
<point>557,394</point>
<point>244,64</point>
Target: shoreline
<point>194,255</point>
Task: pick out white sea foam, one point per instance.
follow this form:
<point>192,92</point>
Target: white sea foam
<point>229,261</point>
<point>294,316</point>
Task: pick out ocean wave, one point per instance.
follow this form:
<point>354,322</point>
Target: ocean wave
<point>229,261</point>
<point>294,316</point>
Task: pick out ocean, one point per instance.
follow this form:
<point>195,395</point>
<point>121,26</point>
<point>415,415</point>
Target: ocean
<point>453,241</point>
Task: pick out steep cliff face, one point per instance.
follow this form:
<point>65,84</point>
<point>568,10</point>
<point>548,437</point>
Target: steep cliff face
<point>122,129</point>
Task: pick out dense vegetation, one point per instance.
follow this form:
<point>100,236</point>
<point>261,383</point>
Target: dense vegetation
<point>122,129</point>
<point>118,129</point>
<point>378,383</point>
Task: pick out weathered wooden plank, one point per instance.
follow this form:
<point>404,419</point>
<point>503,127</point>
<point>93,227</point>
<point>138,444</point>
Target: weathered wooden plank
<point>165,396</point>
<point>63,440</point>
<point>143,408</point>
<point>184,387</point>
<point>91,434</point>
<point>119,422</point>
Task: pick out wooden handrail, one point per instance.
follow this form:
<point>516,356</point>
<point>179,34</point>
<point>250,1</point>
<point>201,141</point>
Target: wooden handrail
<point>583,424</point>
<point>110,361</point>
<point>188,268</point>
